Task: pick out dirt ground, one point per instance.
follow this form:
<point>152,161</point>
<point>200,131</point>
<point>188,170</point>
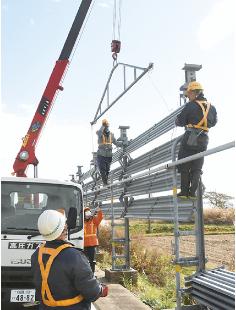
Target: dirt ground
<point>219,249</point>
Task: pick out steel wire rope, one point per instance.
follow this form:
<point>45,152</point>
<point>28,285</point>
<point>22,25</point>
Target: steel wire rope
<point>116,20</point>
<point>159,93</point>
<point>82,31</point>
<point>75,48</point>
<point>119,20</point>
<point>168,109</point>
<point>165,103</point>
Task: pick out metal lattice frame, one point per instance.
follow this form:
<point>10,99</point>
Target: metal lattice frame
<point>152,173</point>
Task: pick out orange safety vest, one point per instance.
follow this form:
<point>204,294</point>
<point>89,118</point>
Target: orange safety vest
<point>90,230</point>
<point>45,290</point>
<point>203,122</point>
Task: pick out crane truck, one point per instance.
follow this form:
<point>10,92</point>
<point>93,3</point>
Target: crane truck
<point>23,199</point>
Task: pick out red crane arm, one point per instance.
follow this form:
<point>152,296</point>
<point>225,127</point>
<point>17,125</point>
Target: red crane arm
<point>26,155</point>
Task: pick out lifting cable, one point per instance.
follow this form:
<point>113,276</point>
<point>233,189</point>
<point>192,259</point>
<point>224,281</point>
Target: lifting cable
<point>174,130</point>
<point>116,43</point>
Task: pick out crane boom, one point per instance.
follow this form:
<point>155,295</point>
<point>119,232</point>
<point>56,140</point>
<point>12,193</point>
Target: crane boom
<point>26,156</point>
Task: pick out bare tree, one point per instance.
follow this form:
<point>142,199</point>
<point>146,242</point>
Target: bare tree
<point>219,200</point>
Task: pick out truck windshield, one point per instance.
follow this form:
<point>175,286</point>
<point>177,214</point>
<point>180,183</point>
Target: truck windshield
<point>22,203</point>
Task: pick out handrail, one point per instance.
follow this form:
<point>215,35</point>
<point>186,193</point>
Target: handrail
<point>170,165</point>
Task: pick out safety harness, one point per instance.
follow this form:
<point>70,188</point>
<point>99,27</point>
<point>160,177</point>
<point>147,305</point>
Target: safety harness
<point>203,122</point>
<point>107,139</point>
<point>45,291</point>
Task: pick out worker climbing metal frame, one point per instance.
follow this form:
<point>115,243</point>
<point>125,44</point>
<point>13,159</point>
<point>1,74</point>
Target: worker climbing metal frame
<point>199,259</point>
<point>162,178</point>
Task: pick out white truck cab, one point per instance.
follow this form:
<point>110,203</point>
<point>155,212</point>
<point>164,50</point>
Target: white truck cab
<point>22,201</point>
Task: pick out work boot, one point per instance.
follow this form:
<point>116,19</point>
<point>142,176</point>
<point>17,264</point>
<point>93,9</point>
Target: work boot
<point>195,177</point>
<point>104,178</point>
<point>182,195</point>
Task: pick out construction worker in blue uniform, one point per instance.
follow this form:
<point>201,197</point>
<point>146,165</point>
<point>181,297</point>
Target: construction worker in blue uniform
<point>61,273</point>
<point>197,117</point>
<point>104,153</point>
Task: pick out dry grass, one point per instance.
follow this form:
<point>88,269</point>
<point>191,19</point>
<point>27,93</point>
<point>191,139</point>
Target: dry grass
<point>104,237</point>
<point>156,266</point>
<point>219,216</point>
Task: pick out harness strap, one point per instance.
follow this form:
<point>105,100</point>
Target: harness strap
<point>45,290</point>
<point>203,122</point>
<point>106,140</point>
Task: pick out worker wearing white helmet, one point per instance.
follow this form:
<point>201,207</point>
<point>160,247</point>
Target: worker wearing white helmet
<point>197,117</point>
<point>104,153</point>
<point>61,273</point>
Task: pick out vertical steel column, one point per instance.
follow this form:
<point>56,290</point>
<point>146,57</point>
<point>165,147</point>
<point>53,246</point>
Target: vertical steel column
<point>200,229</point>
<point>127,241</point>
<point>176,227</point>
<point>79,173</point>
<point>113,250</point>
<point>35,171</point>
<point>123,137</point>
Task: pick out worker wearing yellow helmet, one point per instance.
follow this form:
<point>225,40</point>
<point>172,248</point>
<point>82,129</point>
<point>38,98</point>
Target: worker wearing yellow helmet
<point>197,116</point>
<point>104,153</point>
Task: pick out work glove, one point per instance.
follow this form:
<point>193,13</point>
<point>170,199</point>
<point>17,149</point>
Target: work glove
<point>104,290</point>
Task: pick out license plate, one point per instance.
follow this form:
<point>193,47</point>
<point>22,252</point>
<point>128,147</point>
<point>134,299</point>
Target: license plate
<point>26,295</point>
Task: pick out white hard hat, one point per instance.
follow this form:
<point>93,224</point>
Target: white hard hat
<point>51,224</point>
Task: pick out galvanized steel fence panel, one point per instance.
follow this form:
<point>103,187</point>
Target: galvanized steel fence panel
<point>214,289</point>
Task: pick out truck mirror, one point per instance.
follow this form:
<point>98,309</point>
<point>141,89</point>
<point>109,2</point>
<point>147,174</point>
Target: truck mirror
<point>71,218</point>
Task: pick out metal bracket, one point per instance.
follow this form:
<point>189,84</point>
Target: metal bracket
<point>106,92</point>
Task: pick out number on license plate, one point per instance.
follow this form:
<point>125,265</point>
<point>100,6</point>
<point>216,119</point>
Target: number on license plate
<point>23,295</point>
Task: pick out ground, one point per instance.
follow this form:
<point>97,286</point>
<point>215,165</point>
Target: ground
<point>220,249</point>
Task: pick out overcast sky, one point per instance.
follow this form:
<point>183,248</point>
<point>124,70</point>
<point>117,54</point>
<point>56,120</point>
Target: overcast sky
<point>168,33</point>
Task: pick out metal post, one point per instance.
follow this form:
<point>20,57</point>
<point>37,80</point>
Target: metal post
<point>127,241</point>
<point>79,173</point>
<point>200,226</point>
<point>112,227</point>
<point>149,226</point>
<point>176,228</point>
<point>35,171</point>
<point>123,137</point>
<point>190,75</point>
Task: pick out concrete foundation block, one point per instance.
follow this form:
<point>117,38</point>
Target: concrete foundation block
<point>121,276</point>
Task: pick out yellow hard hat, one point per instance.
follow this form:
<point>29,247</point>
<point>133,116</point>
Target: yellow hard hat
<point>194,86</point>
<point>105,122</point>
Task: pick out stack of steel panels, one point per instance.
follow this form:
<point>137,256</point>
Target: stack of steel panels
<point>214,289</point>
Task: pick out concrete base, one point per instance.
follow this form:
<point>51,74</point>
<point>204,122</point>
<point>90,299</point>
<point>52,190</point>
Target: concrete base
<point>119,298</point>
<point>120,276</point>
